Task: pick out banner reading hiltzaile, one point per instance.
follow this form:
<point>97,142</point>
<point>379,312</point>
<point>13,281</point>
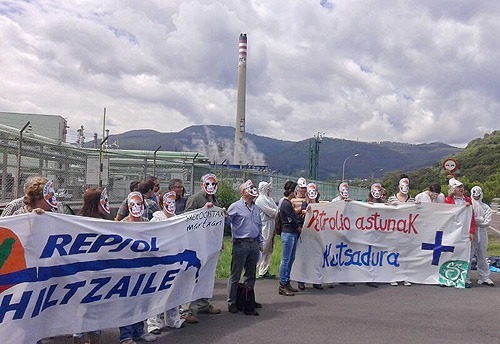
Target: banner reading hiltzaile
<point>63,274</point>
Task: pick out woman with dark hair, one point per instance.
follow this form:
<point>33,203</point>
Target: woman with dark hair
<point>376,192</point>
<point>432,195</point>
<point>96,205</point>
<point>290,230</point>
<point>402,196</point>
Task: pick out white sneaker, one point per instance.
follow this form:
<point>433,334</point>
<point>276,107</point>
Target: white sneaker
<point>487,282</point>
<point>146,337</point>
<point>407,283</point>
<point>394,284</point>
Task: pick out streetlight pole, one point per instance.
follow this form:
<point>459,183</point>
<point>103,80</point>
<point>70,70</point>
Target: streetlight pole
<point>19,150</point>
<point>343,165</point>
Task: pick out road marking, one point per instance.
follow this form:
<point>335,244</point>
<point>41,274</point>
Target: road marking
<point>493,229</point>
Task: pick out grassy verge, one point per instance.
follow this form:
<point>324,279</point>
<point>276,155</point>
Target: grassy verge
<point>493,246</point>
<point>224,264</point>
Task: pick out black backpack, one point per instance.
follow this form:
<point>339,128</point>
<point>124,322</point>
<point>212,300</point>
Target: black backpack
<point>245,299</point>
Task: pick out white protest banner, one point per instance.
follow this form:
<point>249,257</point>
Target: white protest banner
<point>63,274</point>
<point>360,242</point>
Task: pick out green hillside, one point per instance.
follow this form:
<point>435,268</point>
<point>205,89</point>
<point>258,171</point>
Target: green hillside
<point>479,164</point>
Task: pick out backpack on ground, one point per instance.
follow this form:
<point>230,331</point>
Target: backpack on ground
<point>245,299</point>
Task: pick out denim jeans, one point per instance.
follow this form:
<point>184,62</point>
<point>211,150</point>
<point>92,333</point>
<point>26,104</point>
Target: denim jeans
<point>289,245</point>
<point>132,331</point>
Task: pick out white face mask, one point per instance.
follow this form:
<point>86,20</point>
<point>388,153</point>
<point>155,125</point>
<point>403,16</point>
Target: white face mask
<point>169,202</point>
<point>251,189</point>
<point>376,190</point>
<point>404,185</point>
<point>476,192</point>
<point>104,201</point>
<point>209,184</point>
<point>344,190</point>
<point>135,204</point>
<point>49,195</point>
<point>312,191</point>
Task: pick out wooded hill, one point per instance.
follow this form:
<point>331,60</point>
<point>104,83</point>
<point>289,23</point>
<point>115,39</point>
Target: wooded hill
<point>479,164</point>
<point>292,158</point>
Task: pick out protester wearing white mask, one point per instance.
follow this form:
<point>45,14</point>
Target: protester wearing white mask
<point>343,189</point>
<point>268,214</point>
<point>171,317</point>
<point>403,195</point>
<point>482,215</point>
<point>456,195</point>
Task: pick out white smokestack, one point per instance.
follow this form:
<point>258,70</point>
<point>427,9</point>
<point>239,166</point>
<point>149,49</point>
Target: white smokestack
<point>239,134</point>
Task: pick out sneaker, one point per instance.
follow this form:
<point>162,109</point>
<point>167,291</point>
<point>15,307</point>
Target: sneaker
<point>468,284</point>
<point>189,318</point>
<point>301,286</point>
<point>407,283</point>
<point>292,289</point>
<point>155,331</point>
<point>210,310</point>
<point>267,275</point>
<point>127,341</point>
<point>394,284</point>
<point>487,281</point>
<point>146,337</point>
<point>283,290</point>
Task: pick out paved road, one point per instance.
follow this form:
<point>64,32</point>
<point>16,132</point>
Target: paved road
<point>359,314</point>
<point>495,224</point>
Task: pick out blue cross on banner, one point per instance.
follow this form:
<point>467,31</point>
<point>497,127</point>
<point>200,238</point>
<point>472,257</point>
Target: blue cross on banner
<point>437,247</point>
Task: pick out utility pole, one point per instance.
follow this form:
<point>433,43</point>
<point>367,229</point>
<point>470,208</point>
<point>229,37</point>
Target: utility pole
<point>101,149</point>
<point>314,155</point>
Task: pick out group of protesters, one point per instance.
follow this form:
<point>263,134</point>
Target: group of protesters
<point>254,219</point>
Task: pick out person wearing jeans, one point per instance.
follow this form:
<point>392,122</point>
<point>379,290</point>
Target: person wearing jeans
<point>289,233</point>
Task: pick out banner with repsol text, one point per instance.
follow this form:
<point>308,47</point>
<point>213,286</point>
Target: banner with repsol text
<point>62,274</point>
<point>360,242</point>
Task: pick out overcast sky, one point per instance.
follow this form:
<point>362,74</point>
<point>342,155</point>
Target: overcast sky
<point>408,71</point>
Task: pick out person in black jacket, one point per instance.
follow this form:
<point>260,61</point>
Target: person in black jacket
<point>290,231</point>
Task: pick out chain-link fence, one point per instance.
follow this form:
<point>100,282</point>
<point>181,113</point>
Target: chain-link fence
<point>73,169</point>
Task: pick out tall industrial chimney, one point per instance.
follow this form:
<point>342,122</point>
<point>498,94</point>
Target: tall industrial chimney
<point>240,109</point>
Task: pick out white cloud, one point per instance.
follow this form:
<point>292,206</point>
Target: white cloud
<point>407,71</point>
